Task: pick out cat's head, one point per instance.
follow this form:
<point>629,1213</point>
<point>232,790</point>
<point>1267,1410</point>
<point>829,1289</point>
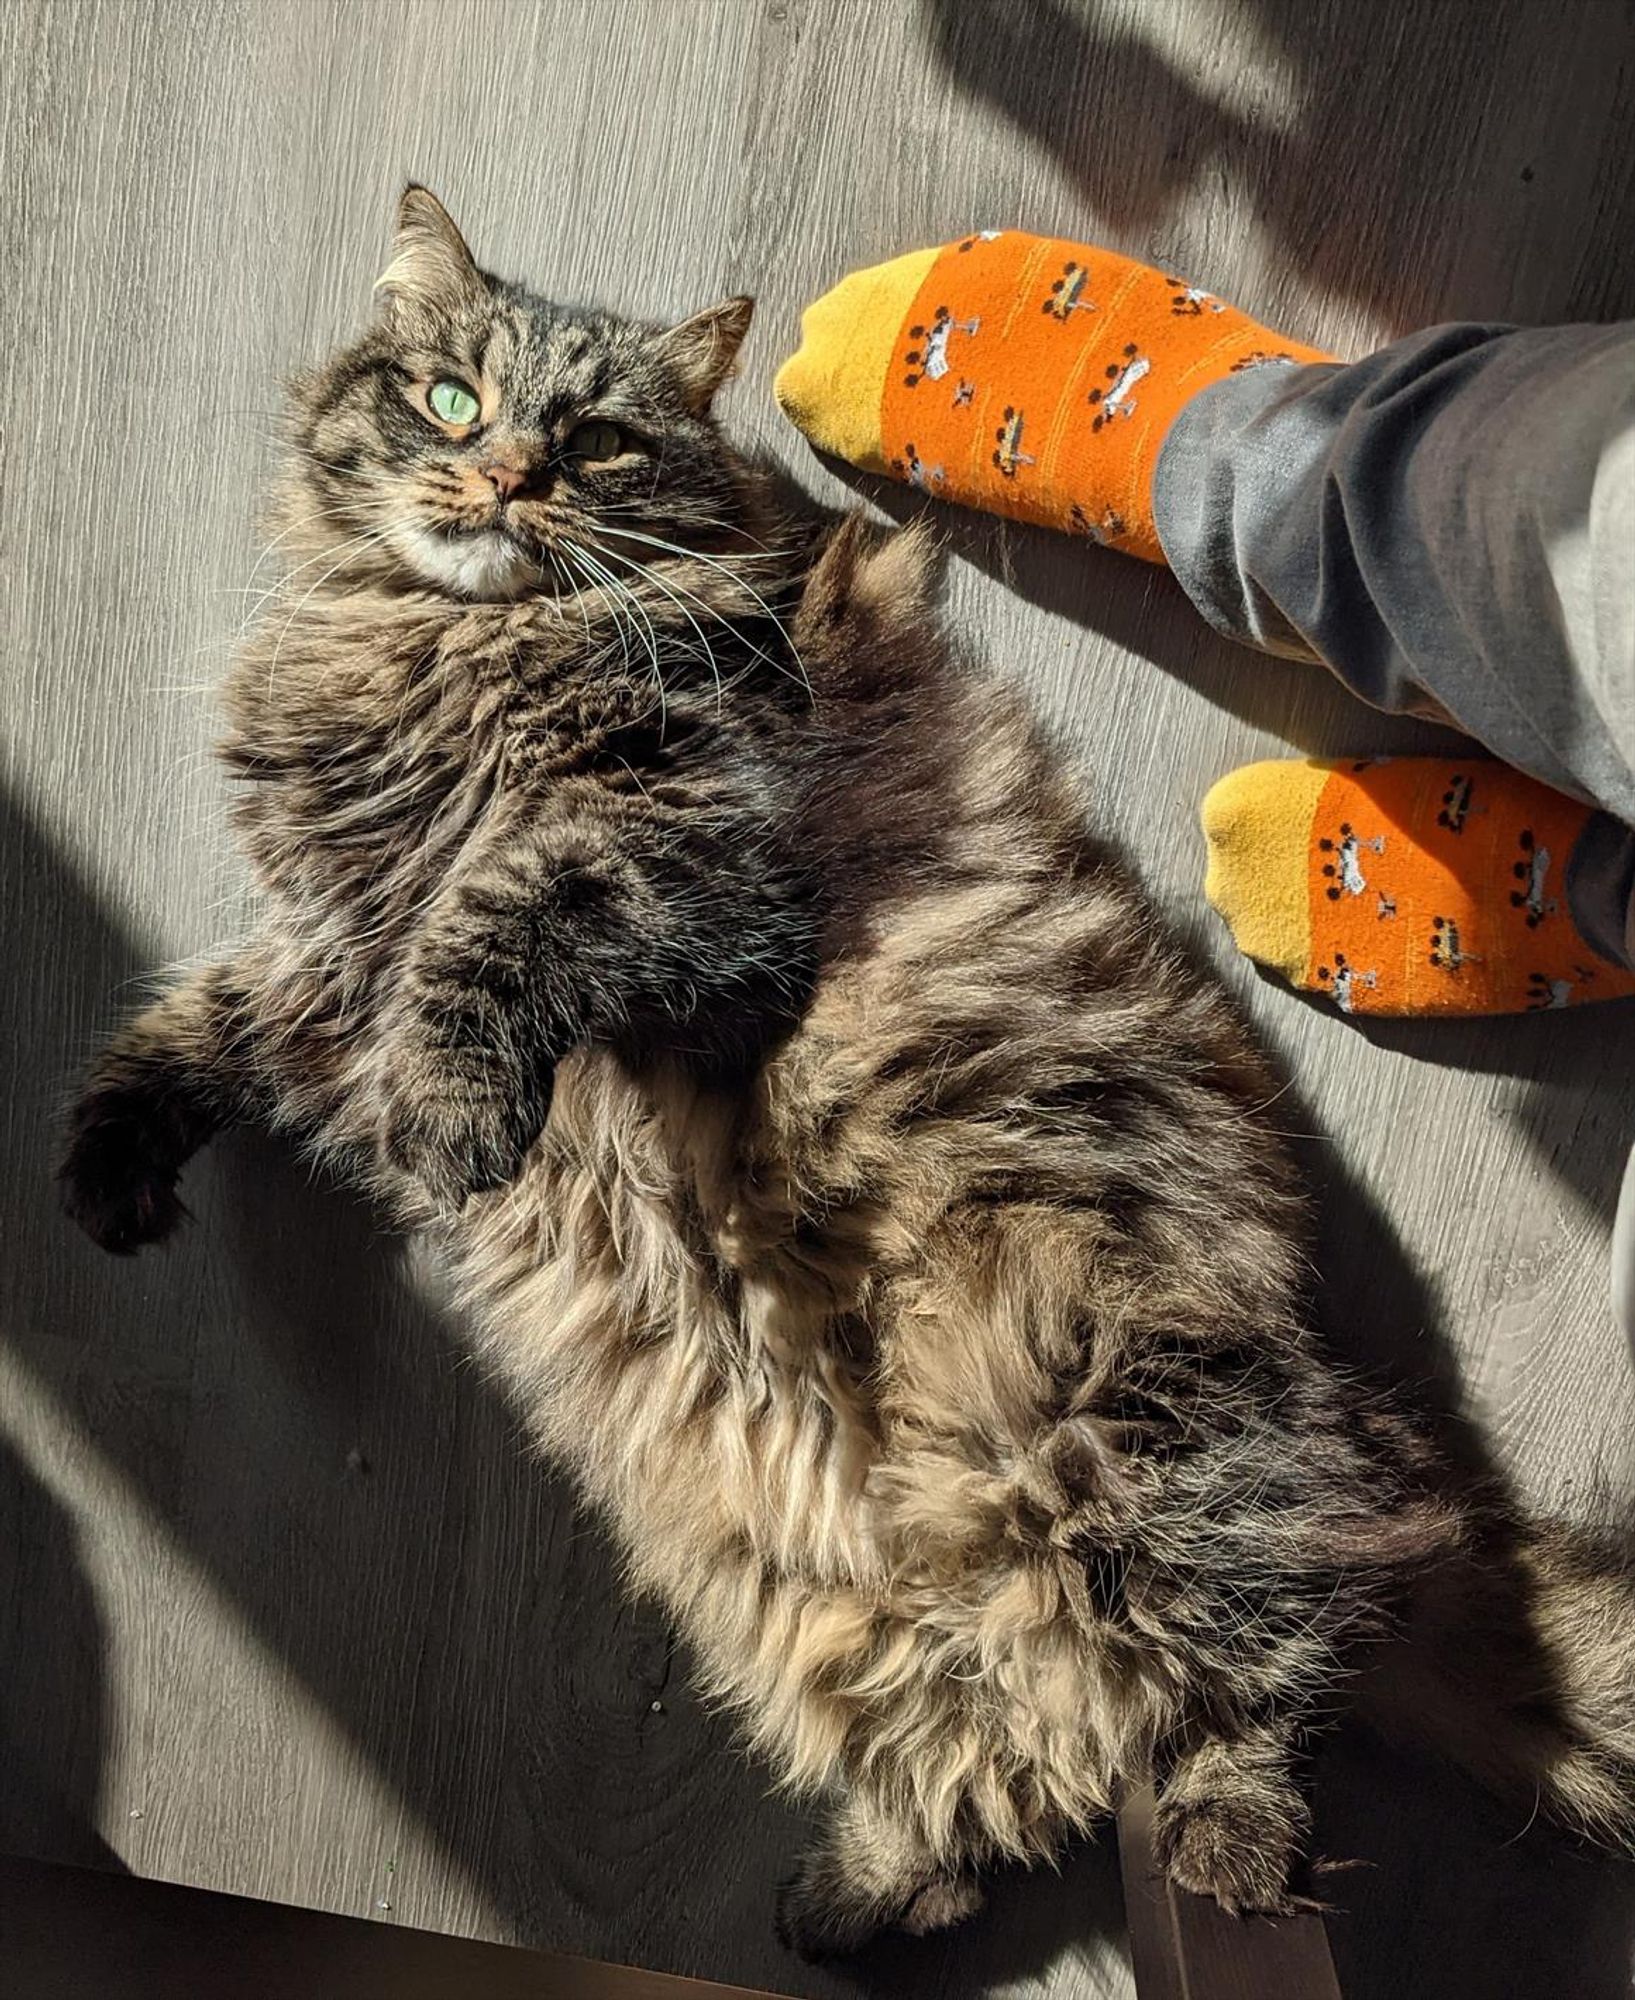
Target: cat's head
<point>486,443</point>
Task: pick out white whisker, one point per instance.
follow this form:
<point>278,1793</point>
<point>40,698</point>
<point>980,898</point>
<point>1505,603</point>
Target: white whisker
<point>616,592</point>
<point>349,549</point>
<point>651,576</point>
<point>725,566</point>
<point>266,595</point>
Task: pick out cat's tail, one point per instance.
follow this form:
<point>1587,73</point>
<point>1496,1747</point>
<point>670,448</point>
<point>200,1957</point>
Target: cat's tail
<point>1517,1659</point>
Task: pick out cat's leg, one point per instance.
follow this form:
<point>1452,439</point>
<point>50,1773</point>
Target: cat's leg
<point>466,1068</point>
<point>1231,1820</point>
<point>165,1084</point>
<point>590,918</point>
<point>869,1871</point>
<point>482,1017</point>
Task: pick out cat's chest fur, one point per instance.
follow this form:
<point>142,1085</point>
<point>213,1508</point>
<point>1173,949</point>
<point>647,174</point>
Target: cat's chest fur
<point>638,1266</point>
<point>376,739</point>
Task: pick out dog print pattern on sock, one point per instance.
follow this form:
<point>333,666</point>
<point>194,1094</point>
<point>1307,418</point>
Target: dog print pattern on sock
<point>1094,352</point>
<point>1344,871</point>
<point>928,361</point>
<point>1436,878</point>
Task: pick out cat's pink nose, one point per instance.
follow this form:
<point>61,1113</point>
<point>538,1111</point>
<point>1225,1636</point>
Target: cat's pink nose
<point>506,480</point>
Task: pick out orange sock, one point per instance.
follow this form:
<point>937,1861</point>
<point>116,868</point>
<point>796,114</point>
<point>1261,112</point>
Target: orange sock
<point>1025,374</point>
<point>1417,885</point>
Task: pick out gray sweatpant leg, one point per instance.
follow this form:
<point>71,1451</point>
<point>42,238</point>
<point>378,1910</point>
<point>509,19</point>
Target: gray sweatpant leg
<point>1449,525</point>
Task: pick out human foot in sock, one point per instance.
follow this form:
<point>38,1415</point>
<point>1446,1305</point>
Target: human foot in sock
<point>1415,885</point>
<point>1025,374</point>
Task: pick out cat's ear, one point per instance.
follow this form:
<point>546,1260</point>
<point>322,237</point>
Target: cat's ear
<point>431,270</point>
<point>702,349</point>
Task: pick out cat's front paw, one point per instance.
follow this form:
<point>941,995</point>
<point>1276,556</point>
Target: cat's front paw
<point>115,1180</point>
<point>454,1130</point>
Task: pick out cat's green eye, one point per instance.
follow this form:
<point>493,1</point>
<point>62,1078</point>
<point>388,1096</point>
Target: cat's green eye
<point>453,402</point>
<point>595,442</point>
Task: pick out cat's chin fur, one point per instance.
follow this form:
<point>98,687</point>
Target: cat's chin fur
<point>488,567</point>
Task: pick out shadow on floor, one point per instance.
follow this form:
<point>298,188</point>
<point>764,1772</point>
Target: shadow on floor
<point>1442,109</point>
<point>53,1715</point>
<point>1455,1896</point>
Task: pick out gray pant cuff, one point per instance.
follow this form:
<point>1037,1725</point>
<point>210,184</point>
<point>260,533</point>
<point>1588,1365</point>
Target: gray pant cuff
<point>1228,455</point>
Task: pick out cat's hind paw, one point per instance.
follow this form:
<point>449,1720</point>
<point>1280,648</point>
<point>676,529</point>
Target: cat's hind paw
<point>816,1926</point>
<point>1237,1850</point>
<point>825,1911</point>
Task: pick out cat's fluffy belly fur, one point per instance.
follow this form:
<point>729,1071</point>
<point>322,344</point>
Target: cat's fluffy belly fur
<point>851,1352</point>
<point>851,1182</point>
<point>848,1375</point>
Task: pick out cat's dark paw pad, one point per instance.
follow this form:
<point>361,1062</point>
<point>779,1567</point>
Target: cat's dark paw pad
<point>1238,1850</point>
<point>457,1139</point>
<point>111,1184</point>
<point>814,1925</point>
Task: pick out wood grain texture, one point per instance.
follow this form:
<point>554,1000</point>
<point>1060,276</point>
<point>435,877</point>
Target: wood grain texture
<point>285,1610</point>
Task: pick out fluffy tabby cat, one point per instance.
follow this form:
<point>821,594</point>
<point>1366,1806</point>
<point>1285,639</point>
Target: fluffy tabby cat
<point>854,1187</point>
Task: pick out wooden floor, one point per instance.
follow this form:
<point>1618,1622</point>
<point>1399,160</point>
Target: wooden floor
<point>284,1610</point>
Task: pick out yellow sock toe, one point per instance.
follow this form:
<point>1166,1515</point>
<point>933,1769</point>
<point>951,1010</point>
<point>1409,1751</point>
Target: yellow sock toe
<point>830,386</point>
<point>1257,821</point>
<point>1412,885</point>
